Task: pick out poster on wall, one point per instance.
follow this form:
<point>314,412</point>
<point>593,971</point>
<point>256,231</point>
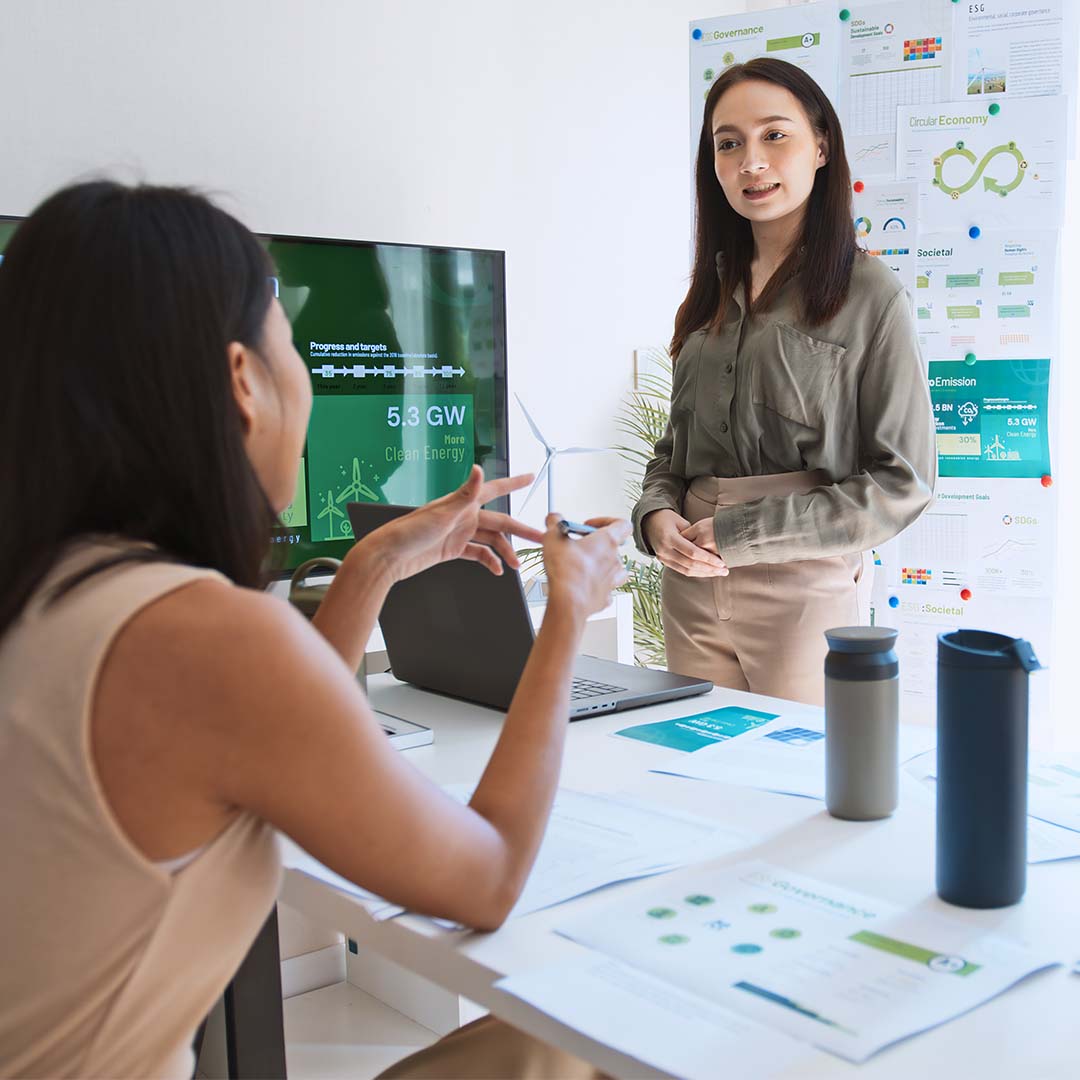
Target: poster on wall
<point>981,556</point>
<point>806,35</point>
<point>991,170</point>
<point>993,295</point>
<point>894,53</point>
<point>991,417</point>
<point>886,226</point>
<point>1015,49</point>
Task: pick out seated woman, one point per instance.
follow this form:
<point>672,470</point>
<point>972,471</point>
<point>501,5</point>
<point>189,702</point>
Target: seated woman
<point>161,715</point>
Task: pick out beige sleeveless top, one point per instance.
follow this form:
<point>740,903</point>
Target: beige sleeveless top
<point>108,963</point>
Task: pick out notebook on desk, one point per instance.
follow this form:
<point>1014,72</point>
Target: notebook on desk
<point>459,630</point>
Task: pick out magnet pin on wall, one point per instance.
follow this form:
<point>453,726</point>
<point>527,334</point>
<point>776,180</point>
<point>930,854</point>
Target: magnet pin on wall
<point>969,359</point>
<point>974,232</point>
<point>965,594</point>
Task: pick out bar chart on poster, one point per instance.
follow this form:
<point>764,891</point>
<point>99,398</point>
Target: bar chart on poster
<point>959,121</point>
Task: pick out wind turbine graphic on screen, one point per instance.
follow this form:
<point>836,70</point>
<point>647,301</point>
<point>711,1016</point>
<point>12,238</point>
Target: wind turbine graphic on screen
<point>331,511</point>
<point>550,454</point>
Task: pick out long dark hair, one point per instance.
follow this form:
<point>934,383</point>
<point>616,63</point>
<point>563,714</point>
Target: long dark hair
<point>826,249</point>
<point>117,414</point>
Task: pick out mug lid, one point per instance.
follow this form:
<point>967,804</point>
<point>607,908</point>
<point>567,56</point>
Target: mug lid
<point>985,649</point>
<point>861,639</point>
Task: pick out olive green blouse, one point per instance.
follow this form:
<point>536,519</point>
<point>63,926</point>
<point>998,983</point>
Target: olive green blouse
<point>770,394</point>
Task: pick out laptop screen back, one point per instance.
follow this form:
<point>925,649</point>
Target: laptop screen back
<point>455,628</point>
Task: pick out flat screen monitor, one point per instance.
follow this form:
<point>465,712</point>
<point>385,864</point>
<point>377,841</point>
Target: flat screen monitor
<point>406,349</point>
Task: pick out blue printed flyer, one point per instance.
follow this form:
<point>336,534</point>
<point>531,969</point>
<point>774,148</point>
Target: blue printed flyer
<point>691,733</point>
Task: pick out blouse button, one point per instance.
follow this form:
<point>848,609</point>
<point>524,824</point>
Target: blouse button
<point>723,428</point>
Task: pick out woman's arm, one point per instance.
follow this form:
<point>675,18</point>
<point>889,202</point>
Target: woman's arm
<point>661,489</point>
<point>897,444</point>
<point>215,699</point>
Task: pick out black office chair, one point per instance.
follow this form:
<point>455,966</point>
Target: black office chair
<point>254,1024</point>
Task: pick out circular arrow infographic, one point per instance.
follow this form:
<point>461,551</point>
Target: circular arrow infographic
<point>990,183</point>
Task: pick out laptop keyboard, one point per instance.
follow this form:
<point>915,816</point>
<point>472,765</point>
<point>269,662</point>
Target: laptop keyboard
<point>587,688</point>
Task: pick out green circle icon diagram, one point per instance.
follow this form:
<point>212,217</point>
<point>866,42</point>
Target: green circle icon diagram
<point>746,950</point>
<point>729,59</point>
<point>785,933</point>
<point>700,900</point>
<point>673,939</point>
<point>990,183</point>
<point>661,913</point>
<point>762,909</point>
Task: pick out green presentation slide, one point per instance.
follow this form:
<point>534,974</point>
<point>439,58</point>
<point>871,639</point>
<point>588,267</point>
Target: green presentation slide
<point>355,443</point>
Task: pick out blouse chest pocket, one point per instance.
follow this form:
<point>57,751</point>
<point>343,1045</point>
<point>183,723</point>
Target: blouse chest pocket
<point>795,378</point>
<point>684,376</point>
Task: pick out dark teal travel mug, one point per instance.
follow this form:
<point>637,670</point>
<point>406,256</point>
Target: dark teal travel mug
<point>982,754</point>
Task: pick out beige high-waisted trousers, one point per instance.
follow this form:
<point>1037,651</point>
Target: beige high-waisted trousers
<point>761,628</point>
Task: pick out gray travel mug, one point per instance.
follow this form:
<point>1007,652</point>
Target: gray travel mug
<point>862,722</point>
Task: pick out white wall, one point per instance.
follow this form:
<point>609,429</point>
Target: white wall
<point>557,132</point>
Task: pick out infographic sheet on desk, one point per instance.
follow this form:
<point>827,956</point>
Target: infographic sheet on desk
<point>847,972</point>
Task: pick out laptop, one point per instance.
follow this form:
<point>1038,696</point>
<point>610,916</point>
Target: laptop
<point>459,630</point>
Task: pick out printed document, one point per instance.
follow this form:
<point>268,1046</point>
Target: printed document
<point>787,756</point>
<point>1053,827</point>
<point>886,226</point>
<point>846,972</point>
<point>597,840</point>
<point>655,1022</point>
<point>591,841</point>
<point>690,733</point>
<point>1003,171</point>
<point>993,296</point>
<point>807,35</point>
<point>895,53</point>
<point>1012,48</point>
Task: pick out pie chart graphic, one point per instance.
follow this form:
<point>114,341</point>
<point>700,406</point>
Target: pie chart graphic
<point>862,226</point>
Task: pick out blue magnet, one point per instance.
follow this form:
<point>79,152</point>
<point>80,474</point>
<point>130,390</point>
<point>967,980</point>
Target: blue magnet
<point>974,232</point>
<point>894,601</point>
<point>696,35</point>
<point>994,109</point>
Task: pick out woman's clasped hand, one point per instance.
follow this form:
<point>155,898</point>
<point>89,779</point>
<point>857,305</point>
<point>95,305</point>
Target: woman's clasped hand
<point>689,549</point>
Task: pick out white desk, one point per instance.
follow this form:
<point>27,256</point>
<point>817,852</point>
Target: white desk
<point>1031,1031</point>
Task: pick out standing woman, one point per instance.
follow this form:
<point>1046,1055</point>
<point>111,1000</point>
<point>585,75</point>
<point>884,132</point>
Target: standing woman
<point>801,432</point>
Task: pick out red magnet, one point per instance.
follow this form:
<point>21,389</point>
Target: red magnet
<point>859,187</point>
<point>1047,481</point>
<point>965,594</point>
